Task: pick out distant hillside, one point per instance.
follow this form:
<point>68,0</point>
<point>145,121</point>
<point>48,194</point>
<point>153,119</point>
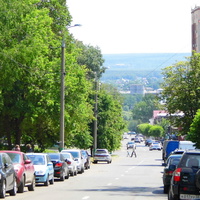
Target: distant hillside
<point>134,67</point>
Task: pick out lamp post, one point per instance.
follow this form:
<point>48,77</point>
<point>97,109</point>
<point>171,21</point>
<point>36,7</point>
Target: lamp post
<point>62,94</point>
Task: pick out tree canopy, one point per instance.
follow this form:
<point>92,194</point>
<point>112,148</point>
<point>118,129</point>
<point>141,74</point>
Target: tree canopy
<point>181,90</point>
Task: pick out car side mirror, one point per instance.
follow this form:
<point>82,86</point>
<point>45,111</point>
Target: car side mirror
<point>6,165</point>
<point>27,162</point>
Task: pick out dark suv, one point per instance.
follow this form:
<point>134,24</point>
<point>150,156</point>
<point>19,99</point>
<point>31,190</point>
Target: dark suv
<point>185,182</point>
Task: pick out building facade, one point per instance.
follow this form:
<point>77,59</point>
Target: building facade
<point>196,29</point>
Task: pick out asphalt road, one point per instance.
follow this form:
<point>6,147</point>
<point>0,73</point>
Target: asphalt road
<point>125,178</point>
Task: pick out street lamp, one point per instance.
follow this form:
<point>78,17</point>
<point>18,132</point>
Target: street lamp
<point>62,94</point>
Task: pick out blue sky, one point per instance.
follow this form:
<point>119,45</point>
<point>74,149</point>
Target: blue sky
<point>133,26</point>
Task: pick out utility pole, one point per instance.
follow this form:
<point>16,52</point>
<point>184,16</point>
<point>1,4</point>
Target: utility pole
<point>62,96</point>
<point>95,114</point>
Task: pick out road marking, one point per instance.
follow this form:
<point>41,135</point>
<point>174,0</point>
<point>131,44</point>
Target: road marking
<point>109,184</point>
<point>86,197</point>
<point>116,178</point>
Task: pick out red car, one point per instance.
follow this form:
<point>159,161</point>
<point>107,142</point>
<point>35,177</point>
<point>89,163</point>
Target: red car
<point>24,169</point>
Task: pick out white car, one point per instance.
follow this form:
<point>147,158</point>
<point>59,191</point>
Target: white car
<point>102,155</point>
<point>72,164</point>
<point>44,172</point>
<point>76,153</point>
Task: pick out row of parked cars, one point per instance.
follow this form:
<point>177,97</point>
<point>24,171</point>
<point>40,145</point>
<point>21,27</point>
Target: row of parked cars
<point>181,175</point>
<point>19,170</point>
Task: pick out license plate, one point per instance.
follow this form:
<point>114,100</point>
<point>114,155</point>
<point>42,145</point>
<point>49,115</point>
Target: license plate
<point>189,196</point>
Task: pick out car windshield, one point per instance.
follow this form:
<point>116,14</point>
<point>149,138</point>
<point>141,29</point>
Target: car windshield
<point>54,156</point>
<point>37,159</point>
<point>74,154</point>
<point>66,155</point>
<point>15,157</point>
<point>101,151</point>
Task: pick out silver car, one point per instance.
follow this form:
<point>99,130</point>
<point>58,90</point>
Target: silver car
<point>76,153</point>
<point>72,164</point>
<point>102,155</point>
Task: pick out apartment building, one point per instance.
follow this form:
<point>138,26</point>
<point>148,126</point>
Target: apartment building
<point>196,29</point>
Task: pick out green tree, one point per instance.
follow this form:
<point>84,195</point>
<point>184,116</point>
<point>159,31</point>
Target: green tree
<point>110,120</point>
<point>181,90</point>
<point>92,58</point>
<point>144,129</point>
<point>156,131</point>
<point>144,109</point>
<point>30,41</point>
<point>193,134</point>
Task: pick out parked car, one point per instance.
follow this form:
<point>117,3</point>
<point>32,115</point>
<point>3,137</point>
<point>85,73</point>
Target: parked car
<point>44,171</point>
<point>184,145</point>
<point>148,142</point>
<point>77,154</point>
<point>130,145</point>
<point>170,165</point>
<point>155,146</point>
<point>137,140</point>
<point>185,182</point>
<point>24,169</point>
<point>72,164</point>
<point>177,151</point>
<point>60,166</point>
<point>86,156</point>
<point>102,155</point>
<point>171,146</point>
<point>8,182</point>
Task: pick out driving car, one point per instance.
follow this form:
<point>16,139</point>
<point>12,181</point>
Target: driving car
<point>185,181</point>
<point>102,155</point>
<point>131,145</point>
<point>60,166</point>
<point>44,172</point>
<point>8,182</point>
<point>72,164</point>
<point>24,169</point>
<point>170,164</point>
<point>77,154</point>
<point>155,146</point>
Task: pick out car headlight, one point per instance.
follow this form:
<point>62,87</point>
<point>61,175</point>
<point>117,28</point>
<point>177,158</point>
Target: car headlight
<point>40,172</point>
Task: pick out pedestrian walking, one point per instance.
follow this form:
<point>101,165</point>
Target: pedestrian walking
<point>133,153</point>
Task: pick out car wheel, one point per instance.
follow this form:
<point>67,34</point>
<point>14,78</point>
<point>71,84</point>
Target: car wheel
<point>3,190</point>
<point>76,172</point>
<point>62,178</point>
<point>171,197</point>
<point>21,186</point>
<point>67,176</point>
<point>51,181</point>
<point>46,183</point>
<point>72,173</point>
<point>32,186</point>
<point>166,189</point>
<point>13,192</point>
<point>82,170</point>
